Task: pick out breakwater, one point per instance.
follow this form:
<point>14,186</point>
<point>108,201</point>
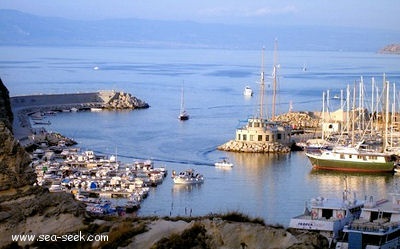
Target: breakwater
<point>24,106</point>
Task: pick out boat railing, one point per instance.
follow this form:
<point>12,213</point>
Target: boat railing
<point>376,226</point>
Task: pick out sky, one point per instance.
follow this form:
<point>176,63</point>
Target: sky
<point>382,14</point>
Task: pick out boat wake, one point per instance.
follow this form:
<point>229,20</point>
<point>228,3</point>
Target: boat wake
<point>165,160</point>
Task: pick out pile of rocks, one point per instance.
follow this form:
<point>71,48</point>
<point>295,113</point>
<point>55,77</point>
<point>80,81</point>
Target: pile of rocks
<point>254,147</point>
<point>123,100</point>
<point>300,120</point>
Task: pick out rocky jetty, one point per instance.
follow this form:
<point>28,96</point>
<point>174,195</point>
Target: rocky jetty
<point>300,120</point>
<point>253,147</point>
<point>122,100</point>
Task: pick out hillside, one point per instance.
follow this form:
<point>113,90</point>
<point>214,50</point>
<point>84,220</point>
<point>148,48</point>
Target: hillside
<point>18,28</point>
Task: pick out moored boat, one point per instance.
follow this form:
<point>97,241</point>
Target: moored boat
<point>377,227</point>
<point>353,159</point>
<point>188,176</point>
<point>328,216</point>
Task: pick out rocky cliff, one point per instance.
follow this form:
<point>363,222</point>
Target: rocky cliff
<point>25,208</point>
<point>14,161</point>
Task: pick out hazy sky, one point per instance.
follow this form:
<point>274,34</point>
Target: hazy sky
<point>360,13</point>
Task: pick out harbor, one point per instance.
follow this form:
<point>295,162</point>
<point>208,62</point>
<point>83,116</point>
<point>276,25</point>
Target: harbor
<point>155,133</point>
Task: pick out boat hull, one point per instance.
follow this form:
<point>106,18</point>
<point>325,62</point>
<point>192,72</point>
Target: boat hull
<point>183,117</point>
<point>350,166</point>
<point>187,181</point>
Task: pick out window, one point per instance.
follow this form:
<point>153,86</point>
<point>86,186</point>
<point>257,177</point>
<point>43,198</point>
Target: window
<point>244,137</point>
<point>279,136</point>
<point>239,137</point>
<point>259,137</point>
<point>267,138</point>
<point>251,137</point>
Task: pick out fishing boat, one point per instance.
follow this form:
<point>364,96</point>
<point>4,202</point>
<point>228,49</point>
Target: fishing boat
<point>248,91</point>
<point>188,176</point>
<point>183,115</point>
<point>224,163</point>
<point>328,216</point>
<point>377,227</point>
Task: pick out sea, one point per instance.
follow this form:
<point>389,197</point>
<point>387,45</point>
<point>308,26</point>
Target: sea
<point>269,186</point>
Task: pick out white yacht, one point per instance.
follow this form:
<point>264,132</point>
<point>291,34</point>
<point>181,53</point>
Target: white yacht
<point>248,91</point>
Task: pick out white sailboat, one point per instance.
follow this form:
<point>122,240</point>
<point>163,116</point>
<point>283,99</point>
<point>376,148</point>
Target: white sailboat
<point>183,115</point>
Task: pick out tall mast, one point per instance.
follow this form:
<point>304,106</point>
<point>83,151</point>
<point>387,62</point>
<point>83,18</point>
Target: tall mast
<point>262,86</point>
<point>183,97</point>
<point>275,69</point>
<point>385,141</point>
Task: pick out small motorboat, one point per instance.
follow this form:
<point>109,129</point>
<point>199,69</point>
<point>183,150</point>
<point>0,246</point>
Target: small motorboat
<point>188,176</point>
<point>224,163</point>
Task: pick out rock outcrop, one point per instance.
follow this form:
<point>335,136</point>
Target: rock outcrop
<point>122,100</point>
<point>216,233</point>
<point>391,49</point>
<point>300,120</point>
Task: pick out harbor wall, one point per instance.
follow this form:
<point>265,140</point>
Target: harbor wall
<point>23,106</point>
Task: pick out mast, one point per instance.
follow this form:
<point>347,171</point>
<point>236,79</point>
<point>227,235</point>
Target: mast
<point>275,69</point>
<point>182,99</point>
<point>385,141</point>
<point>348,109</point>
<point>262,85</point>
<point>323,115</point>
<point>372,105</point>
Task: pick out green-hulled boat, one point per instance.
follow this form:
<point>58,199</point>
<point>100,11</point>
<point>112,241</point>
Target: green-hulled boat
<point>353,159</point>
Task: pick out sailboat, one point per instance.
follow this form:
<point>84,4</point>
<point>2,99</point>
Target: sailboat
<point>183,115</point>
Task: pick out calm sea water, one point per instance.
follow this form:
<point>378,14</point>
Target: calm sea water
<point>274,187</point>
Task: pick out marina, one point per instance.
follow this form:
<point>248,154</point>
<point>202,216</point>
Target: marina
<point>271,186</point>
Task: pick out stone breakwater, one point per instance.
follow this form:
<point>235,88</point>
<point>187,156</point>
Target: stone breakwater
<point>23,106</point>
<point>254,147</point>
